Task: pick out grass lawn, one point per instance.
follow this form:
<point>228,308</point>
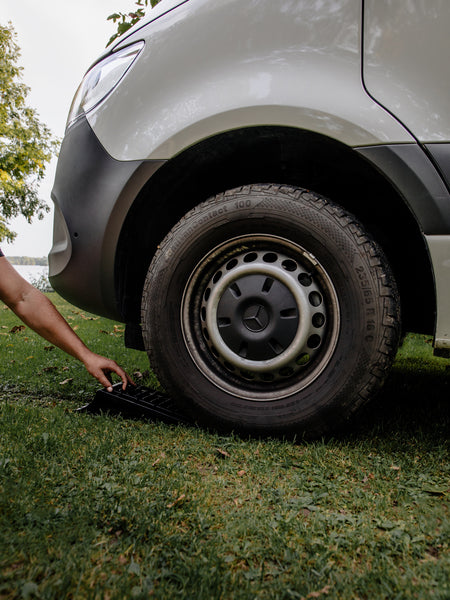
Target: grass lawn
<point>108,508</point>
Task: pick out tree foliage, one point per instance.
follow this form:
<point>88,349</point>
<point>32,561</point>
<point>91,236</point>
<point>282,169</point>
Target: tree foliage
<point>126,20</point>
<point>26,145</point>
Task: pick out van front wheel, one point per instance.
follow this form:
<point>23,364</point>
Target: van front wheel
<point>269,309</point>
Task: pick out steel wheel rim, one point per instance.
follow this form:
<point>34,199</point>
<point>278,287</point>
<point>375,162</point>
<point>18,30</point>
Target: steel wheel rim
<point>275,369</point>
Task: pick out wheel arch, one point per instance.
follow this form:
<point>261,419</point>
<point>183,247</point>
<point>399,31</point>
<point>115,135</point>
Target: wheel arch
<point>277,155</point>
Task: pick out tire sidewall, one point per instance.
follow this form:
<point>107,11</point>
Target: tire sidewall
<point>321,230</point>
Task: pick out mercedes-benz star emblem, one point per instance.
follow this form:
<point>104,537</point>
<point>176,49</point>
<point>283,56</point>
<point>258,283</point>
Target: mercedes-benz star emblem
<point>256,318</point>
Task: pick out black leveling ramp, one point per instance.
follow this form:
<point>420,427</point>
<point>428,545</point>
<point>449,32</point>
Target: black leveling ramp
<point>137,402</point>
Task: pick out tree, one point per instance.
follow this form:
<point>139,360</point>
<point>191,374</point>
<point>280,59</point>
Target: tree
<point>26,145</point>
<point>126,20</point>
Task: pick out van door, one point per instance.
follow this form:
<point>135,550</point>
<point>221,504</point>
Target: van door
<point>406,63</point>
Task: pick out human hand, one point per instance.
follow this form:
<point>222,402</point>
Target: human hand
<point>100,366</point>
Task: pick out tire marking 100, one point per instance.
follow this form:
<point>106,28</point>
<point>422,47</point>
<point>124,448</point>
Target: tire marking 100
<point>242,204</point>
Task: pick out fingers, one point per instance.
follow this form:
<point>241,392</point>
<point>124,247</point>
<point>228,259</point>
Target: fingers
<point>123,375</point>
<point>99,367</point>
<point>114,368</point>
<point>103,380</point>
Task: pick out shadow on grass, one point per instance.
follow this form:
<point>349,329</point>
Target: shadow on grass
<point>414,401</point>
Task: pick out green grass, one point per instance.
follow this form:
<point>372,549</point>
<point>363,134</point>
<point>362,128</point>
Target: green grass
<point>108,508</point>
<point>30,364</point>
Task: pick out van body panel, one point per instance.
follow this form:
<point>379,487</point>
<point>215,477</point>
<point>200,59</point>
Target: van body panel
<point>212,67</point>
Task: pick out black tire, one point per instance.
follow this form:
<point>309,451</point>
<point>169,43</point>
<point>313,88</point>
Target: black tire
<point>269,309</point>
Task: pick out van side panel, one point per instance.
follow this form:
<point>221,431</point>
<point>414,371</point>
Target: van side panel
<point>217,66</point>
<point>406,63</point>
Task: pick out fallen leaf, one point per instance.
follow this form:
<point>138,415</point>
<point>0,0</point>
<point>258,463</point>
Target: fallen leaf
<point>88,318</point>
<point>241,473</point>
<point>433,491</point>
<point>66,381</point>
<point>434,552</point>
<point>17,328</point>
<point>177,501</point>
<point>49,348</point>
<point>324,590</point>
<point>222,453</point>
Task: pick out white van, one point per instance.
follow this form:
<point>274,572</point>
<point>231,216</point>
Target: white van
<point>260,191</point>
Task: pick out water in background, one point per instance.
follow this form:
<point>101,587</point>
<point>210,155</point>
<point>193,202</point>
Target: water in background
<point>31,273</point>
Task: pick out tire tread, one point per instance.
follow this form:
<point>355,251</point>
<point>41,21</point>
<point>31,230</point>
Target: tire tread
<point>348,224</point>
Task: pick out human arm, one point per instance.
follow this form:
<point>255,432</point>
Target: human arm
<point>36,311</point>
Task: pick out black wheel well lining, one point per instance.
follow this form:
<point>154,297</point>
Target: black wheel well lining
<point>276,155</point>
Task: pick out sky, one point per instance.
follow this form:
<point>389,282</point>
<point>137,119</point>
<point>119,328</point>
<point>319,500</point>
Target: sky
<point>59,40</point>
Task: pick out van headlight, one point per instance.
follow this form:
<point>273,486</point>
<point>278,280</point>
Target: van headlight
<point>101,80</point>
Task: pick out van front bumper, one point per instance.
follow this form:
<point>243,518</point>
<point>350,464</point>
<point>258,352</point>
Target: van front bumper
<point>92,194</point>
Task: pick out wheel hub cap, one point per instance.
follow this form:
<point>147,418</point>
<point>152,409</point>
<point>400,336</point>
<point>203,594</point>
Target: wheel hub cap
<point>257,317</point>
<point>263,315</point>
